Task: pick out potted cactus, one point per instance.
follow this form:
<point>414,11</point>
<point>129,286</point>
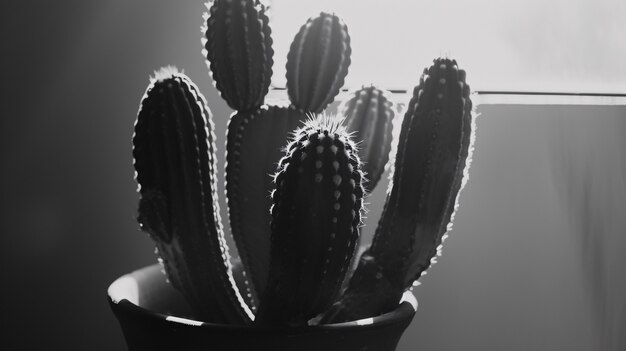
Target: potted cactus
<point>296,179</point>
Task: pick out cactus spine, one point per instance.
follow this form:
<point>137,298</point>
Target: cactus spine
<point>430,165</point>
<point>175,168</point>
<point>318,61</point>
<point>315,222</point>
<point>238,47</point>
<point>369,115</point>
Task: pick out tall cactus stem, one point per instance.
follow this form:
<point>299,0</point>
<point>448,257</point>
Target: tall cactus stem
<point>431,166</point>
<point>174,156</point>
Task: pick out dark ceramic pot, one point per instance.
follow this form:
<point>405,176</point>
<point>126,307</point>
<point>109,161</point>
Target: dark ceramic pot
<point>149,309</point>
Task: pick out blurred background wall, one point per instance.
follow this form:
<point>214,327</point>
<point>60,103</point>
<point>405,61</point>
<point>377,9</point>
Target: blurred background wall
<point>534,261</point>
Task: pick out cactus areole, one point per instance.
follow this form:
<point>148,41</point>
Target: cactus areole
<point>296,178</point>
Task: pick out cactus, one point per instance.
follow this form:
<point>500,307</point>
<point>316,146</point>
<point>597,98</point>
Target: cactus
<point>238,47</point>
<point>315,223</point>
<point>297,245</point>
<point>318,61</point>
<point>369,115</point>
<point>430,168</point>
<point>175,168</point>
<point>253,148</point>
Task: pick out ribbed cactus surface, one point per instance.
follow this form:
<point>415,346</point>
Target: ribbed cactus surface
<point>430,165</point>
<point>254,144</point>
<point>318,62</point>
<point>369,115</point>
<point>239,49</point>
<point>315,223</point>
<point>175,168</point>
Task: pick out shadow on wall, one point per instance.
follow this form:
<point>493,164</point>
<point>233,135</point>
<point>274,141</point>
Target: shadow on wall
<point>590,174</point>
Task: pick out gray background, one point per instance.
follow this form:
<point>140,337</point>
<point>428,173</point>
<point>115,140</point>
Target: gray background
<point>534,261</point>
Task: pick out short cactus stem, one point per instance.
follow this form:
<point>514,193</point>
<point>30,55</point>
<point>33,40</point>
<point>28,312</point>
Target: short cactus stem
<point>318,62</point>
<point>369,115</point>
<point>315,223</point>
<point>238,47</point>
<point>174,160</point>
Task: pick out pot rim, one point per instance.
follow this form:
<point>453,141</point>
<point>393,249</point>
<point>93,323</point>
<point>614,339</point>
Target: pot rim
<point>118,294</point>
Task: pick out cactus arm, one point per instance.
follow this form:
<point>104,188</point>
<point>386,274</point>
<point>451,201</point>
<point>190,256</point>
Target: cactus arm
<point>315,219</point>
<point>428,176</point>
<point>318,62</point>
<point>238,47</point>
<point>175,167</point>
<point>430,169</point>
<point>254,145</point>
<point>369,115</point>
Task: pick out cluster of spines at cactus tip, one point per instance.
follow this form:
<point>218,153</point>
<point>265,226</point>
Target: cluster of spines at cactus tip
<point>175,169</point>
<point>315,223</point>
<point>369,115</point>
<point>238,47</point>
<point>318,62</point>
<point>431,161</point>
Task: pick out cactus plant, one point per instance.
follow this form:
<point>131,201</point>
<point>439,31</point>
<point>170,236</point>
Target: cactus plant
<point>369,115</point>
<point>315,219</point>
<point>297,245</point>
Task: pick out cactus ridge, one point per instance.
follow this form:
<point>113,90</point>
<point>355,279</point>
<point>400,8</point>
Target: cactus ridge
<point>173,153</point>
<point>238,47</point>
<point>369,114</point>
<point>318,62</point>
<point>258,138</point>
<point>315,223</point>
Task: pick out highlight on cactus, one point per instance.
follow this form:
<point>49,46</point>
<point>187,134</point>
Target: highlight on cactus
<point>296,177</point>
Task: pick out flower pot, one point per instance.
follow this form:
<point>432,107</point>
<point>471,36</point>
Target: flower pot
<point>154,316</point>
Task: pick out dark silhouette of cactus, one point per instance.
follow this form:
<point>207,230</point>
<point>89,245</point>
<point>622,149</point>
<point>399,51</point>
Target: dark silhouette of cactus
<point>296,246</point>
<point>255,140</point>
<point>318,61</point>
<point>429,171</point>
<point>239,49</point>
<point>175,164</point>
<point>315,223</point>
<point>369,115</point>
